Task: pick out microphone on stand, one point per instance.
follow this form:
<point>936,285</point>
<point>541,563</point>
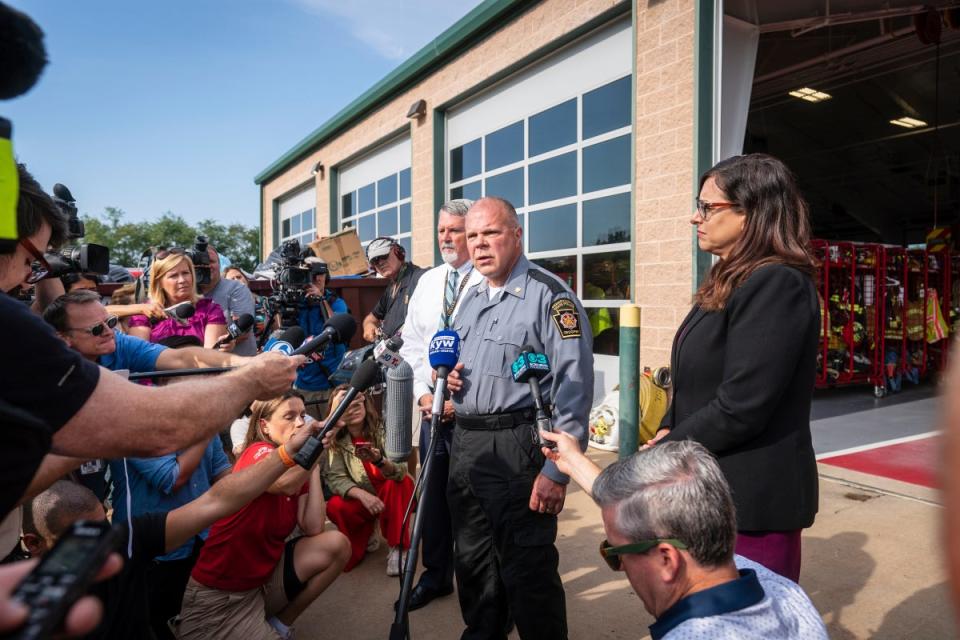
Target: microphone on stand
<point>236,329</point>
<point>444,353</point>
<point>365,376</point>
<point>398,411</point>
<point>529,367</point>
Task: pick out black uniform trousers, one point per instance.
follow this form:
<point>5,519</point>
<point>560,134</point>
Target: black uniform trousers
<point>506,561</point>
<point>437,538</point>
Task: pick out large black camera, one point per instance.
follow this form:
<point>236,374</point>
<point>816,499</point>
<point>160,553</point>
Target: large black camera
<point>292,274</point>
<point>81,258</point>
<point>201,260</point>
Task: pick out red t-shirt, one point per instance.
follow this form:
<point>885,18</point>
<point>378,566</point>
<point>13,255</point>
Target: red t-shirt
<point>243,549</point>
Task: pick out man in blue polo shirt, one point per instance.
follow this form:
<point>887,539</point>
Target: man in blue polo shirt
<point>81,320</point>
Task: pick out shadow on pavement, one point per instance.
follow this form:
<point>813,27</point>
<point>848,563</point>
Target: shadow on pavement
<point>919,616</point>
<point>835,569</point>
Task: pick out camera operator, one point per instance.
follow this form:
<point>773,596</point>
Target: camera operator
<point>75,281</point>
<point>319,303</point>
<point>54,399</point>
<point>233,297</point>
<point>387,257</point>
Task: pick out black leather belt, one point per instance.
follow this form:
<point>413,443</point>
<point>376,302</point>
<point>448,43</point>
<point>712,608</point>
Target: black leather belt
<point>496,421</point>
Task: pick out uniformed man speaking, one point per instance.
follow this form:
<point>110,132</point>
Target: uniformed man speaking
<point>504,496</point>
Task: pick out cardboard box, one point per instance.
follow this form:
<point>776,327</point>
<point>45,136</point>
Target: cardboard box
<point>343,253</point>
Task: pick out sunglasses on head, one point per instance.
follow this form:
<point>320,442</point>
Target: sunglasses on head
<point>166,253</point>
<point>611,554</point>
<point>97,330</point>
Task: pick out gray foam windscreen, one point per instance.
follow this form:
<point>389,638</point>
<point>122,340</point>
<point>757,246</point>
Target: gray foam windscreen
<point>398,412</point>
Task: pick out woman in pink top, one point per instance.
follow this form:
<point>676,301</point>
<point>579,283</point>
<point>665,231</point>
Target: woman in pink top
<point>172,279</point>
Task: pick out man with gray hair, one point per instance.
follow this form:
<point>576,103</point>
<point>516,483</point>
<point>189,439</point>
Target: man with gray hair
<point>670,524</point>
<point>433,306</point>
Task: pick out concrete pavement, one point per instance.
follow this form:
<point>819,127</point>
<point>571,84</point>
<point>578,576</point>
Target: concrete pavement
<point>871,564</point>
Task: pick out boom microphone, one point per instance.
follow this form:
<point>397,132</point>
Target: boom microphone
<point>363,378</point>
<point>339,327</point>
<point>22,54</point>
<point>444,353</point>
<point>235,329</point>
<point>285,341</point>
<point>529,367</point>
<point>398,412</point>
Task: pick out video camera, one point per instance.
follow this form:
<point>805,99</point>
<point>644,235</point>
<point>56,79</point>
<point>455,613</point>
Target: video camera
<point>201,260</point>
<point>292,275</point>
<point>81,258</point>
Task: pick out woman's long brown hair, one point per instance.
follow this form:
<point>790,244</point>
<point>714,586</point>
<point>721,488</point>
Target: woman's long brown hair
<point>777,229</point>
<point>264,410</point>
<point>371,419</point>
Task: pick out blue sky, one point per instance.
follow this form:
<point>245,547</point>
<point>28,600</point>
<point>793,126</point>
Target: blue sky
<point>156,106</point>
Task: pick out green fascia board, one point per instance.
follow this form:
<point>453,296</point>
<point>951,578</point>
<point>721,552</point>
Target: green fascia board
<point>461,35</point>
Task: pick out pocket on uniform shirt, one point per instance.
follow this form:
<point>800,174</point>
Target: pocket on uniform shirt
<point>500,349</point>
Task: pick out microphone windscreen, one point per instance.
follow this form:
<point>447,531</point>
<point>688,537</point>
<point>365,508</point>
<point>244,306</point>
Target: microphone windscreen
<point>398,412</point>
<point>243,323</point>
<point>344,325</point>
<point>184,310</point>
<point>286,341</point>
<point>22,54</point>
<point>444,349</point>
<point>366,375</point>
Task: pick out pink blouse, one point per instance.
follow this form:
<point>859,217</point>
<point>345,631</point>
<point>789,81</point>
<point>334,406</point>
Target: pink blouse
<point>208,312</point>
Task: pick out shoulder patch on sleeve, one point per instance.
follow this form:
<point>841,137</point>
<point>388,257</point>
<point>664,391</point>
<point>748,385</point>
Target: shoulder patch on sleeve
<point>552,283</point>
<point>566,317</point>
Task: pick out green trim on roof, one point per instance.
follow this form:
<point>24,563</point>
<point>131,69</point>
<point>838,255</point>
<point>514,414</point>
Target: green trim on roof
<point>490,15</point>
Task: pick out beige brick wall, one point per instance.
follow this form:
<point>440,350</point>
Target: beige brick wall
<point>663,139</point>
<point>664,177</point>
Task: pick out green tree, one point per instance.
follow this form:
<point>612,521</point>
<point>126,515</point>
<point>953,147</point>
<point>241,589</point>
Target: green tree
<point>129,240</point>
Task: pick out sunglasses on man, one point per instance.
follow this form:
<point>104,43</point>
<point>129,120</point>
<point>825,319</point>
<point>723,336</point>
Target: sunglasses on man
<point>97,330</point>
<point>611,554</point>
<point>40,267</point>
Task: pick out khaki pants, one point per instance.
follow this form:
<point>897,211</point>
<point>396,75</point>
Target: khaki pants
<point>211,614</point>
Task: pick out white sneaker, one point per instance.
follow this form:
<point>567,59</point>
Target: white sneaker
<point>393,561</point>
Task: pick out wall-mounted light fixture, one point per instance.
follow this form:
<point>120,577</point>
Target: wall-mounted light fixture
<point>317,169</point>
<point>908,123</point>
<point>418,109</point>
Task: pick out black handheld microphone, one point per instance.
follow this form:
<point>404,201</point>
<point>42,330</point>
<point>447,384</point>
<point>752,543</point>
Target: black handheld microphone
<point>340,327</point>
<point>363,378</point>
<point>181,312</point>
<point>235,329</point>
<point>285,341</point>
<point>529,367</point>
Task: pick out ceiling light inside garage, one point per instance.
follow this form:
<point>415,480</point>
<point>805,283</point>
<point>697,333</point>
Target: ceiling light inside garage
<point>810,95</point>
<point>908,123</point>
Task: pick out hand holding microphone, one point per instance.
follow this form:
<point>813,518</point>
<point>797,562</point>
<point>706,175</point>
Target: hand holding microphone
<point>235,329</point>
<point>529,367</point>
<point>181,312</point>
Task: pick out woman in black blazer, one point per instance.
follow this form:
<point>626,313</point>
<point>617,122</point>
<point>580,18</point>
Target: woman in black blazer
<point>744,359</point>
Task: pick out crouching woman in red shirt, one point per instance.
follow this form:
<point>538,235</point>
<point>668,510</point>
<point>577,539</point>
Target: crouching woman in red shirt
<point>249,581</point>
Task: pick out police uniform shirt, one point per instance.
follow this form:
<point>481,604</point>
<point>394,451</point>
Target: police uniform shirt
<point>533,308</point>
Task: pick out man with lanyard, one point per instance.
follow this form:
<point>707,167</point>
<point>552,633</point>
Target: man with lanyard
<point>433,306</point>
<point>235,300</point>
<point>318,305</point>
<point>504,495</point>
<point>387,257</point>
